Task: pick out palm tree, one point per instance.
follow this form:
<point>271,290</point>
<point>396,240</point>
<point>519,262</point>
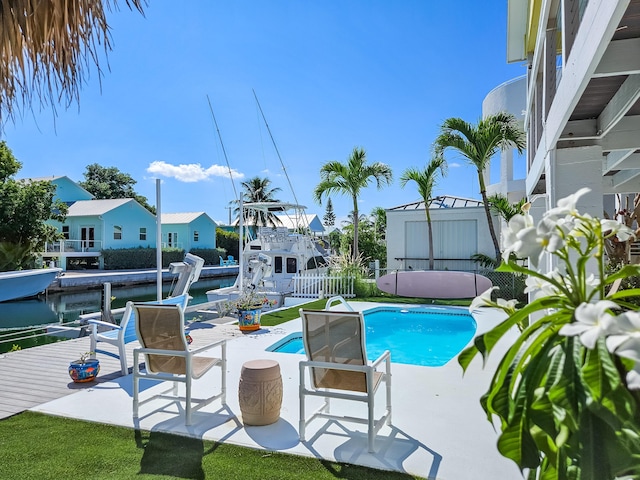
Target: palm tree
<point>501,205</point>
<point>349,179</point>
<point>477,144</point>
<point>426,180</point>
<point>47,46</point>
<point>257,190</point>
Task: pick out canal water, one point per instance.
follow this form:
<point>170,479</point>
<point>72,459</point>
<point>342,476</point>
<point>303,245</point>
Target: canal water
<point>66,307</point>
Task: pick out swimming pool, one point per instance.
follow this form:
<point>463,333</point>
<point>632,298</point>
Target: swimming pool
<point>427,336</point>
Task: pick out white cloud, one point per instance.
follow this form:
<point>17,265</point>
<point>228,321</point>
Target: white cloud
<point>192,172</point>
<point>454,165</point>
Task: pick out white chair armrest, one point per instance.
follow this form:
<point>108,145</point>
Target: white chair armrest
<point>208,346</point>
<point>337,366</point>
<point>104,324</point>
<point>386,355</point>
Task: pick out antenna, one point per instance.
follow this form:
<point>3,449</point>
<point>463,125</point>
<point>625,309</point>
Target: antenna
<point>276,147</point>
<point>235,193</point>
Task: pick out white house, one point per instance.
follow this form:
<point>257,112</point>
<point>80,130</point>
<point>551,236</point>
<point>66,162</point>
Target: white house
<point>460,230</point>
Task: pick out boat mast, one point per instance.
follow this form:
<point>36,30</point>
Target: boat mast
<point>276,147</point>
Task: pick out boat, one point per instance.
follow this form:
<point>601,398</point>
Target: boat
<point>270,261</point>
<point>20,284</point>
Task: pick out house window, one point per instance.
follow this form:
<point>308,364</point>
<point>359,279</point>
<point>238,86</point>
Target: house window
<point>117,232</point>
<point>143,233</point>
<point>196,236</point>
<point>65,232</point>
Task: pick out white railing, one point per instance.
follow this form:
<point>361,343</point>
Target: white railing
<point>316,285</point>
<point>73,246</point>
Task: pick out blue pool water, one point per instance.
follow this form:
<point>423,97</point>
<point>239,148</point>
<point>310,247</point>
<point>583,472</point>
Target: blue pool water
<point>427,336</point>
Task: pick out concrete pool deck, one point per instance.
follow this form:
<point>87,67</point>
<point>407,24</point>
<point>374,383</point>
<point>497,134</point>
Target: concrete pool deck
<point>438,431</point>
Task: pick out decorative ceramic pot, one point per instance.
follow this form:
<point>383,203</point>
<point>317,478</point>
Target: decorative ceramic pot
<point>249,320</point>
<point>84,372</point>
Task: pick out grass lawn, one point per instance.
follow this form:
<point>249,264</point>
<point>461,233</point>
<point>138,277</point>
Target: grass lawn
<point>36,446</point>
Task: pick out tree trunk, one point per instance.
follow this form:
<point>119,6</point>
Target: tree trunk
<point>355,229</point>
<point>492,231</point>
<point>430,230</point>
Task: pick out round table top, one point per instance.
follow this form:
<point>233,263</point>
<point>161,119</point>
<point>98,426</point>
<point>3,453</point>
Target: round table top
<point>260,364</point>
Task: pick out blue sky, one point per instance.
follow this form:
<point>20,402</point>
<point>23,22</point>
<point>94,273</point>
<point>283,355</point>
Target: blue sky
<point>330,75</point>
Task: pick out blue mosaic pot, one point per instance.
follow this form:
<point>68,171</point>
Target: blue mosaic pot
<point>84,372</point>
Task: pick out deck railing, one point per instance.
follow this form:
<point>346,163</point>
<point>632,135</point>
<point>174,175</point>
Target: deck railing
<point>73,246</point>
<point>316,285</point>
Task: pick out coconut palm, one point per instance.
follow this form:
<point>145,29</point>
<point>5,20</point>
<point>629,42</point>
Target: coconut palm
<point>256,190</point>
<point>426,180</point>
<point>349,179</point>
<point>47,46</point>
<point>477,144</point>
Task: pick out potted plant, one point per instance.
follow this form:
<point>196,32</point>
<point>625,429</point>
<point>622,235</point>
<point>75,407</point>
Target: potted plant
<point>84,369</point>
<point>248,308</point>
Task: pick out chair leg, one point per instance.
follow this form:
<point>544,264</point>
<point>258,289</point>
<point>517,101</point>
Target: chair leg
<point>224,374</point>
<point>188,400</point>
<point>123,360</point>
<point>136,386</point>
<point>371,432</point>
<point>302,419</point>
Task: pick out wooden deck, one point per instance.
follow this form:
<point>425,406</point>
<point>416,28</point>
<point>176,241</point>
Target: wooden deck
<point>37,375</point>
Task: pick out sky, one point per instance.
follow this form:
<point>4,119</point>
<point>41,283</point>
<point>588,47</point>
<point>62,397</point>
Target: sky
<point>329,75</point>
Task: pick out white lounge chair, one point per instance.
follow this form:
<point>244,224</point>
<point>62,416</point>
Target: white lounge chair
<point>334,343</point>
<point>125,332</point>
<point>160,331</point>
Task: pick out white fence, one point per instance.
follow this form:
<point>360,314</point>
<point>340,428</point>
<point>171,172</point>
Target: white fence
<point>313,286</point>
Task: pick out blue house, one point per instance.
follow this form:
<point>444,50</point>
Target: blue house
<point>188,230</point>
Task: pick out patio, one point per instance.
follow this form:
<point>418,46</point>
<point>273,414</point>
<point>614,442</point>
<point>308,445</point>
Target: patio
<point>438,431</point>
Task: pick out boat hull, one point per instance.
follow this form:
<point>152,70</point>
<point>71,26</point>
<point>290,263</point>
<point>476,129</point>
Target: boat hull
<point>25,283</point>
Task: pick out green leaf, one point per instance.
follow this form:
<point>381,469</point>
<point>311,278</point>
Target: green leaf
<point>516,442</point>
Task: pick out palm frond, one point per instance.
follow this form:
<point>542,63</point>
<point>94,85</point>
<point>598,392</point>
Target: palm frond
<point>47,46</point>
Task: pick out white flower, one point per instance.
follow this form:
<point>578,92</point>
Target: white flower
<point>532,242</point>
<point>592,321</point>
<point>623,232</point>
<point>484,300</point>
<point>633,377</point>
<point>541,287</point>
<point>625,341</point>
<point>510,236</point>
<point>567,205</point>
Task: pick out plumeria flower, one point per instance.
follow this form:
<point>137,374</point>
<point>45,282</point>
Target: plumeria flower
<point>567,205</point>
<point>592,321</point>
<point>509,306</point>
<point>625,339</point>
<point>532,242</point>
<point>614,227</point>
<point>510,239</point>
<point>633,377</point>
<point>540,287</point>
<point>484,300</point>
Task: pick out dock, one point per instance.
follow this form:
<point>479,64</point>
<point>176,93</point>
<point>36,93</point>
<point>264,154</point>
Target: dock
<point>37,375</point>
<point>82,279</point>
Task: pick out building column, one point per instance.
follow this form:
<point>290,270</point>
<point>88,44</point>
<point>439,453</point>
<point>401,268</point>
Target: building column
<point>571,169</point>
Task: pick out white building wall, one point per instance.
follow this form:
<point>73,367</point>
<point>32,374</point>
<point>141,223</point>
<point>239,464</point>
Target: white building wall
<point>450,240</point>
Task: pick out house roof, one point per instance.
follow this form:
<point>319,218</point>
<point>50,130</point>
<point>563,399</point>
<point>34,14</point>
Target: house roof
<point>442,201</point>
<point>83,208</point>
<point>186,217</point>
